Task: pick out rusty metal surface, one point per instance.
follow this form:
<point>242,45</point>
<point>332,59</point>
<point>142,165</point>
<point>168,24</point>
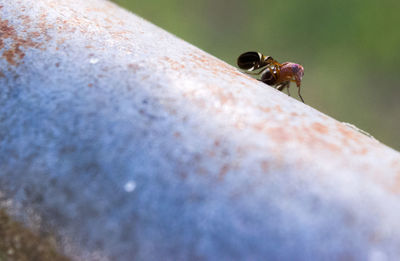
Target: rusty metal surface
<point>128,143</point>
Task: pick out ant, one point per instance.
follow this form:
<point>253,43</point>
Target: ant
<point>270,71</point>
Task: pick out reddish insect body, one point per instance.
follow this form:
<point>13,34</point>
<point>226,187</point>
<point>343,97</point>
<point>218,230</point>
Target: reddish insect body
<point>269,71</point>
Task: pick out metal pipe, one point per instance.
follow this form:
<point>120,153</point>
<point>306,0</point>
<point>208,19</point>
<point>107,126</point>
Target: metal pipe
<point>127,143</point>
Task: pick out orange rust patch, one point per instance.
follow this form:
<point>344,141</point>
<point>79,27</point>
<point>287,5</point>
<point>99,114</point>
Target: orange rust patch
<point>2,74</point>
<point>306,136</point>
<point>90,85</point>
<point>60,42</point>
<point>352,135</point>
<point>174,64</point>
<point>330,146</point>
<point>319,128</point>
<point>313,141</point>
<point>294,114</point>
<point>278,134</point>
<point>349,134</point>
<point>222,96</point>
<point>26,19</point>
<point>14,54</point>
<point>264,109</point>
<point>9,56</point>
<point>6,30</point>
<point>119,36</point>
<point>35,35</point>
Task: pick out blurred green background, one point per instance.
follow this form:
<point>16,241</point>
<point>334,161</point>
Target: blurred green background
<point>350,49</point>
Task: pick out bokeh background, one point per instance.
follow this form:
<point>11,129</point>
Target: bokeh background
<point>350,49</point>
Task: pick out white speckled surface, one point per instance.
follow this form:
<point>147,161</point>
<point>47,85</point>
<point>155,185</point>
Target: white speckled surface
<point>130,144</point>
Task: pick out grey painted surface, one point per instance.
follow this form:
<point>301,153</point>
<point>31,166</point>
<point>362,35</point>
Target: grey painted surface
<point>130,144</point>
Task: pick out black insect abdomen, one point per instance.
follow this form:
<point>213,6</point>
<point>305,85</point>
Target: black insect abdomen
<point>249,60</point>
<point>268,77</point>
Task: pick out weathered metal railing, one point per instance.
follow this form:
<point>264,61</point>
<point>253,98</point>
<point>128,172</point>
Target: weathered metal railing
<point>126,143</point>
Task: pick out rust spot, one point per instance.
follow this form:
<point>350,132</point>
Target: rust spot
<point>174,64</point>
<point>211,153</point>
<point>278,108</point>
<point>259,126</point>
<point>265,109</point>
<point>35,35</point>
<point>24,17</point>
<point>133,67</point>
<point>182,174</point>
<point>90,85</point>
<point>6,30</point>
<point>9,56</point>
<point>118,36</point>
<point>363,151</point>
<point>394,186</point>
<point>57,65</point>
<point>319,128</point>
<point>222,96</point>
<point>332,147</point>
<point>264,166</point>
<point>347,133</point>
<point>177,134</point>
<point>278,134</point>
<point>60,42</point>
<point>294,114</point>
<point>201,171</point>
<point>15,52</point>
<point>108,20</point>
<point>307,136</point>
<point>223,171</point>
<point>2,74</point>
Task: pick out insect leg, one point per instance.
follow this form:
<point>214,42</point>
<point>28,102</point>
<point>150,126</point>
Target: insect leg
<point>280,86</point>
<point>300,94</point>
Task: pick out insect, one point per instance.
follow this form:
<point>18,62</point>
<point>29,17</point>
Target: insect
<point>269,71</point>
